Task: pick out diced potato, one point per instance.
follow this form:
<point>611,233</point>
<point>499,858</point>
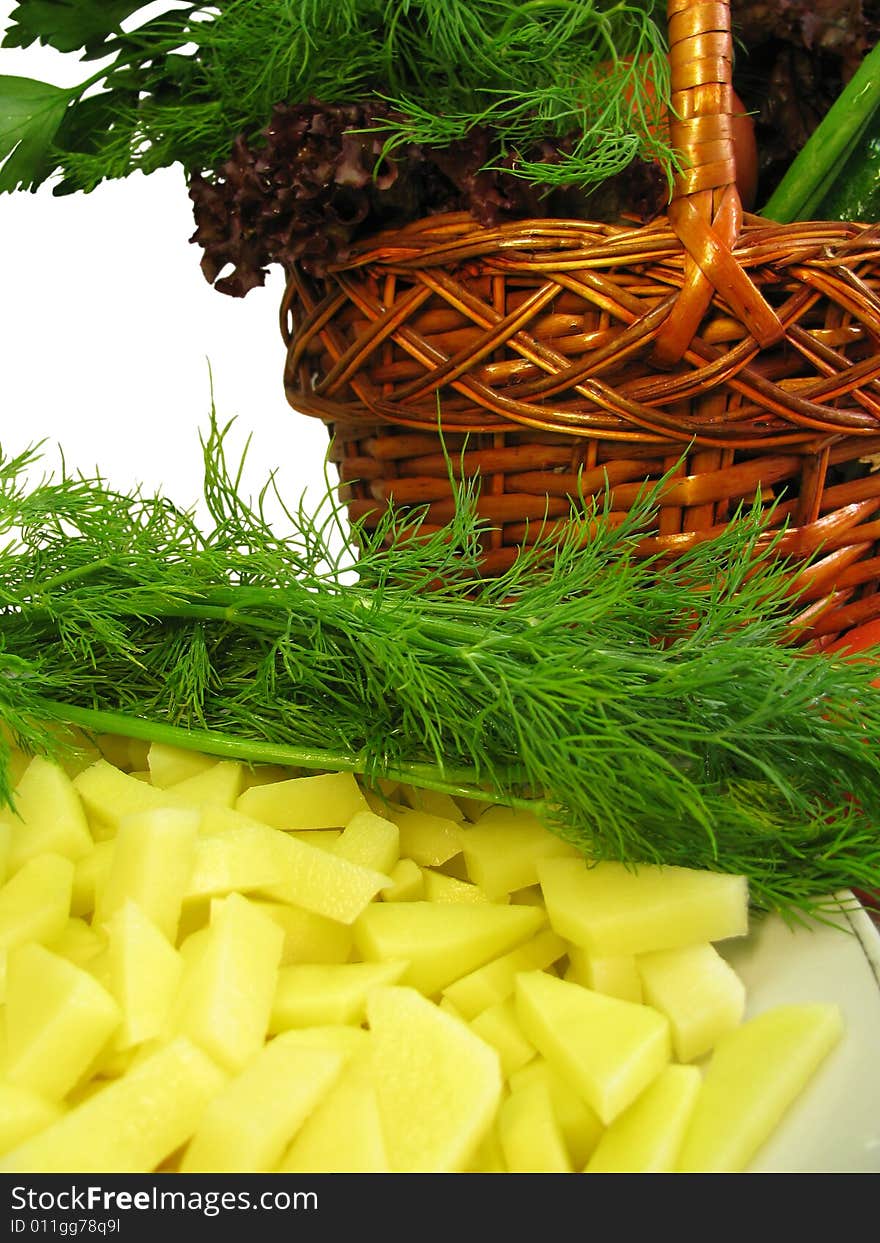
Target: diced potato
<point>370,840</point>
<point>489,1157</point>
<point>35,902</point>
<point>168,765</point>
<point>407,883</point>
<point>144,971</point>
<point>123,753</point>
<point>441,942</point>
<point>326,839</point>
<point>309,994</point>
<point>89,876</point>
<point>698,991</point>
<point>496,981</point>
<point>246,1127</point>
<point>428,840</point>
<point>343,1134</point>
<point>131,1125</point>
<point>234,854</point>
<point>614,974</point>
<point>109,795</point>
<point>530,1136</point>
<point>228,985</point>
<point>23,1113</point>
<point>434,802</point>
<point>151,865</point>
<point>217,786</point>
<point>608,1050</point>
<point>499,1026</point>
<point>442,888</point>
<point>321,881</point>
<point>754,1075</point>
<point>422,1057</point>
<point>646,1138</point>
<point>579,1124</point>
<point>352,1041</point>
<point>609,908</point>
<point>58,1018</point>
<point>325,801</point>
<point>79,942</point>
<point>503,848</point>
<point>48,816</point>
<point>308,938</point>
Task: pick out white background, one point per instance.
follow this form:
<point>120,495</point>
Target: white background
<point>107,330</point>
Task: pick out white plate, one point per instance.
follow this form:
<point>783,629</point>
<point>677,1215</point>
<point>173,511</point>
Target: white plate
<point>834,1127</point>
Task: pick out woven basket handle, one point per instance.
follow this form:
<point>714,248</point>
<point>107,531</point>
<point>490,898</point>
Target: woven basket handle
<point>706,211</point>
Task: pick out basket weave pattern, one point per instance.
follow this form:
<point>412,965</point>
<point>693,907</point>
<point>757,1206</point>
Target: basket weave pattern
<point>561,357</point>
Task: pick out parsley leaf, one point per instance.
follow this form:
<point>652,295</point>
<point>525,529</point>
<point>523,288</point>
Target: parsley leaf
<point>30,114</point>
<point>67,25</point>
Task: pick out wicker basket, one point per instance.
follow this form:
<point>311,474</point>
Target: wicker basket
<point>564,356</point>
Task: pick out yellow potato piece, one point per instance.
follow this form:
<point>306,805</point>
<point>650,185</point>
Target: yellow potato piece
<point>143,971</point>
<point>48,816</point>
<point>503,848</point>
<point>109,795</point>
<point>698,991</point>
<point>35,902</point>
<point>500,1027</point>
<point>370,840</point>
<point>611,909</point>
<point>310,994</point>
<point>325,801</point>
<point>23,1113</point>
<point>246,1127</point>
<point>442,888</point>
<point>407,883</point>
<point>753,1077</point>
<point>441,941</point>
<point>343,1135</point>
<point>228,984</point>
<point>89,876</point>
<point>130,1126</point>
<point>79,942</point>
<point>217,786</point>
<point>646,1138</point>
<point>529,1132</point>
<point>496,980</point>
<point>614,974</point>
<point>607,1049</point>
<point>168,765</point>
<point>151,865</point>
<point>58,1018</point>
<point>427,839</point>
<point>438,1084</point>
<point>308,938</point>
<point>434,802</point>
<point>578,1123</point>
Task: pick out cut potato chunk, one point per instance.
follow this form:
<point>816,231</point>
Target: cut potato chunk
<point>578,1123</point>
<point>698,991</point>
<point>151,865</point>
<point>503,848</point>
<point>308,938</point>
<point>344,1132</point>
<point>130,1126</point>
<point>499,1026</point>
<point>228,984</point>
<point>442,888</point>
<point>423,1057</point>
<point>531,1139</point>
<point>144,972</point>
<point>58,1018</point>
<point>247,1126</point>
<point>434,802</point>
<point>168,765</point>
<point>321,881</point>
<point>608,1050</point>
<point>647,1137</point>
<point>326,801</point>
<point>441,942</point>
<point>407,883</point>
<point>615,974</point>
<point>427,839</point>
<point>755,1074</point>
<point>79,942</point>
<point>89,876</point>
<point>370,840</point>
<point>495,982</point>
<point>109,795</point>
<point>48,816</point>
<point>310,995</point>
<point>609,908</point>
<point>23,1113</point>
<point>217,786</point>
<point>35,902</point>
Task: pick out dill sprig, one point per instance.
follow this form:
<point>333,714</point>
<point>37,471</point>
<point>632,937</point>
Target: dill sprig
<point>648,710</point>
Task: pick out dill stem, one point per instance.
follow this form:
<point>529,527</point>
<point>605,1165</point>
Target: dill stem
<point>462,782</point>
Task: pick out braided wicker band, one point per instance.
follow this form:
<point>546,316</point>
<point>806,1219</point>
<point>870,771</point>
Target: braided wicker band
<point>558,357</point>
